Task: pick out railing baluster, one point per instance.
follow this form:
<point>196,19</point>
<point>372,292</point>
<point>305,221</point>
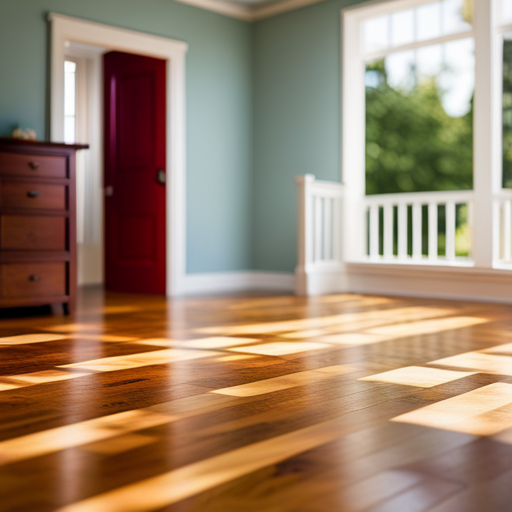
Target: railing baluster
<point>470,225</point>
<point>374,231</point>
<point>507,213</point>
<point>327,228</point>
<point>388,231</point>
<point>336,241</point>
<point>450,231</point>
<point>318,229</point>
<point>496,223</point>
<point>402,231</point>
<point>416,231</point>
<point>432,231</point>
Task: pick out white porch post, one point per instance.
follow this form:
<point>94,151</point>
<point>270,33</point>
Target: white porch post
<point>486,174</point>
<point>353,143</point>
<point>304,233</point>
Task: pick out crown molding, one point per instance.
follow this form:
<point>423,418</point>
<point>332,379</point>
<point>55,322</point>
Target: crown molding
<point>249,13</point>
<point>267,11</point>
<point>240,12</point>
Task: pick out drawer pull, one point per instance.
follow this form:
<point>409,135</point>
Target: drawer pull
<point>33,165</point>
<point>33,193</point>
<point>34,278</point>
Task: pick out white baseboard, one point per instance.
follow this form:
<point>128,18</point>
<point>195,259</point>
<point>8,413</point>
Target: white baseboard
<point>224,282</point>
<point>440,282</point>
<point>320,280</point>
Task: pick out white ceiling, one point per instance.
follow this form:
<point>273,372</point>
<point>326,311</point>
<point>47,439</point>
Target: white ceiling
<point>249,10</point>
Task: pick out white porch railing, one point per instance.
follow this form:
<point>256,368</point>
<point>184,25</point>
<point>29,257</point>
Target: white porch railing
<point>389,233</point>
<point>503,227</point>
<point>319,233</point>
<point>341,238</point>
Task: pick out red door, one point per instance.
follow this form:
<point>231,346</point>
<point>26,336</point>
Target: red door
<point>134,173</point>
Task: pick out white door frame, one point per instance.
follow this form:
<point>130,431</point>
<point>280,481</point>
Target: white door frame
<point>65,29</point>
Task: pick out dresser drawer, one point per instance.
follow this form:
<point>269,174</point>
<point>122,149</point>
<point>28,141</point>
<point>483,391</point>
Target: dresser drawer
<point>33,279</point>
<point>33,165</point>
<point>32,233</point>
<point>16,194</point>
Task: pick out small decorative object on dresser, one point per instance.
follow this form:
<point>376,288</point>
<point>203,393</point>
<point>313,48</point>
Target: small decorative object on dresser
<point>27,134</point>
<point>37,223</point>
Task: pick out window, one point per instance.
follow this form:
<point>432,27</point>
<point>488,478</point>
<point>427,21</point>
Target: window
<point>69,101</point>
<point>427,131</point>
<point>74,119</point>
<point>505,11</point>
<point>420,78</point>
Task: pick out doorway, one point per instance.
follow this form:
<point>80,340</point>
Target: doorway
<point>66,31</point>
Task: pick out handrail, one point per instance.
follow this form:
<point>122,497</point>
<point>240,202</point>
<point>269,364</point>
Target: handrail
<point>457,196</point>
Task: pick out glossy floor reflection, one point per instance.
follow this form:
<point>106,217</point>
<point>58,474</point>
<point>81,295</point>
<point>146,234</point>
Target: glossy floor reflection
<point>343,403</point>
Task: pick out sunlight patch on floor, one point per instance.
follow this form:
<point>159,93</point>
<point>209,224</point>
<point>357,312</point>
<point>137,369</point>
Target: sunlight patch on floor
<point>418,376</point>
<point>107,338</point>
<point>235,357</point>
<point>482,362</point>
<point>109,364</point>
<point>281,349</point>
<point>292,380</point>
<point>44,376</point>
<point>482,412</point>
<point>404,314</point>
<point>353,338</point>
<point>25,339</point>
<point>428,326</point>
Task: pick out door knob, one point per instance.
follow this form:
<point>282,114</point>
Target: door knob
<point>109,191</point>
<point>160,176</point>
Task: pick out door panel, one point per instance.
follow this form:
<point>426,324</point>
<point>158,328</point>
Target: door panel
<point>134,153</point>
<point>138,240</point>
<point>136,129</point>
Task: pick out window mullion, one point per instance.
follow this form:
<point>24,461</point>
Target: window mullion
<point>371,56</point>
<point>486,169</point>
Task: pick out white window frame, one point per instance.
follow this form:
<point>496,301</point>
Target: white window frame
<point>487,127</point>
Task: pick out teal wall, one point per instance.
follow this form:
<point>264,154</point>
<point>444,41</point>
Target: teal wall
<point>263,105</point>
<point>297,121</point>
<point>219,109</point>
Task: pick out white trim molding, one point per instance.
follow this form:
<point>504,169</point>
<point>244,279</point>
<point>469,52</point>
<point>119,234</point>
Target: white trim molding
<point>226,282</point>
<point>440,282</point>
<point>249,13</point>
<point>429,281</point>
<point>65,30</point>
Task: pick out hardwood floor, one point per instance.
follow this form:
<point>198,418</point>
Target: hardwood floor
<point>342,403</point>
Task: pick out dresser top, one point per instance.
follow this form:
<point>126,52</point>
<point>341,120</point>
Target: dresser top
<point>40,144</point>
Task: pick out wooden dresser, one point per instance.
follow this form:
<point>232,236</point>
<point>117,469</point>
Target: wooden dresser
<point>37,224</point>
